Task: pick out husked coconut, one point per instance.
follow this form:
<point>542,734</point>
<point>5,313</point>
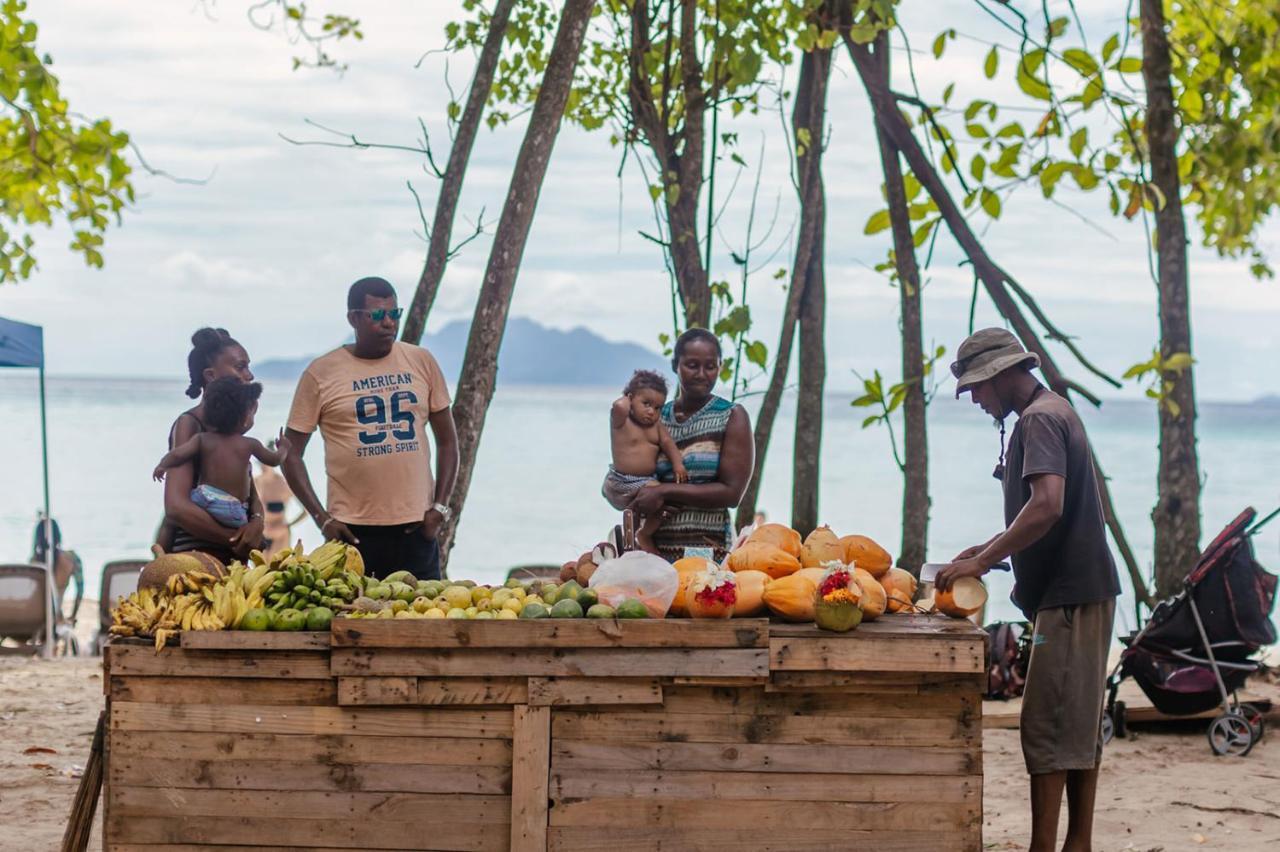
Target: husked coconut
<point>965,597</point>
<point>157,572</point>
<point>820,547</point>
<point>900,587</point>
<point>874,597</point>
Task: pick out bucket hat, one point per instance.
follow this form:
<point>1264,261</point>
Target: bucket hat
<point>986,353</point>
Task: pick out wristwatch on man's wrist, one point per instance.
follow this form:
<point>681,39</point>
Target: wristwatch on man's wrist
<point>443,509</point>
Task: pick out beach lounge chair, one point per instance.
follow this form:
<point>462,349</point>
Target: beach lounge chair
<point>119,579</point>
<point>22,607</point>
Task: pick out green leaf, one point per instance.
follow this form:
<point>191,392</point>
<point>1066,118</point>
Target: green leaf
<point>757,353</point>
<point>1178,362</point>
<point>1129,65</point>
<point>948,92</point>
<point>921,234</point>
<point>939,45</point>
<point>870,421</point>
<point>992,63</point>
<point>1110,47</point>
<point>1191,103</point>
<point>978,167</point>
<point>878,222</point>
<point>1079,140</point>
<point>1081,61</point>
<point>991,203</point>
<point>1029,84</point>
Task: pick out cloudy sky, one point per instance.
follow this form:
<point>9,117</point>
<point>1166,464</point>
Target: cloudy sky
<point>269,244</point>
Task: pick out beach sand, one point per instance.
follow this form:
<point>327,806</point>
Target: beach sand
<point>1161,788</point>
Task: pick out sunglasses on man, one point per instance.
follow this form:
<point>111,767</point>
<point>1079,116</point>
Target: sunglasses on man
<point>379,314</point>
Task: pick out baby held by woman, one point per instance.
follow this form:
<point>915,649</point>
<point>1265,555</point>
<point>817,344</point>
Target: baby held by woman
<point>637,437</point>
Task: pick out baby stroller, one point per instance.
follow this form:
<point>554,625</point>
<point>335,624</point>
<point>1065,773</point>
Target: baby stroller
<point>1194,652</point>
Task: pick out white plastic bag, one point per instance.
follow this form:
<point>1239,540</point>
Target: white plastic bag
<point>647,578</point>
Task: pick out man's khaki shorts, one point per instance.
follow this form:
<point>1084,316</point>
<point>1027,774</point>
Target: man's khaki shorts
<point>1062,705</point>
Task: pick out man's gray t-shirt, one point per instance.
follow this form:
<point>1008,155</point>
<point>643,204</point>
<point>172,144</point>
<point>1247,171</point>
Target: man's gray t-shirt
<point>1071,564</point>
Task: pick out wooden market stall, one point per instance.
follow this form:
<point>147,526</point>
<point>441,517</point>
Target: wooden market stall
<point>550,734</point>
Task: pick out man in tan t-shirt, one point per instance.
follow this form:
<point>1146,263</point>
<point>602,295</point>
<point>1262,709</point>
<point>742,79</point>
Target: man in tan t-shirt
<point>370,400</point>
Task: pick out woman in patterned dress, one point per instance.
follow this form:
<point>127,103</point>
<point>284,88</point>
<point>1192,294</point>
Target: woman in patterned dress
<point>714,437</point>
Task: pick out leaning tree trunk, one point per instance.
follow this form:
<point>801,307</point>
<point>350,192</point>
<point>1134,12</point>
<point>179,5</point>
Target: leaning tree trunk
<point>810,115</point>
<point>915,443</point>
<point>451,182</point>
<point>480,363</point>
<point>1176,515</point>
<point>995,280</point>
<point>810,182</point>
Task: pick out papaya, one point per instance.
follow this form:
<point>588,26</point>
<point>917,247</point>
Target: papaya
<point>791,597</point>
<point>779,536</point>
<point>814,574</point>
<point>866,554</point>
<point>820,547</point>
<point>762,556</point>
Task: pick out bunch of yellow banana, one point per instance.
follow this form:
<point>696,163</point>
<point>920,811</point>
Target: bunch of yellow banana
<point>141,614</point>
<point>251,582</point>
<point>195,611</point>
<point>334,557</point>
<point>229,601</point>
<point>191,581</point>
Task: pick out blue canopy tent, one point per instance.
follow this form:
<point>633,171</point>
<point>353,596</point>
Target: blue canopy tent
<point>22,345</point>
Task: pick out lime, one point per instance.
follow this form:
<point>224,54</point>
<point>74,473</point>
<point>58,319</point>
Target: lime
<point>601,611</point>
<point>566,608</point>
<point>569,591</point>
<point>291,619</point>
<point>319,618</point>
<point>256,619</point>
<point>632,608</point>
<point>534,610</point>
<point>588,598</point>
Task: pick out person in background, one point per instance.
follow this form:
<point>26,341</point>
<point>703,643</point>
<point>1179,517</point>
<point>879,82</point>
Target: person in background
<point>1064,578</point>
<point>372,401</point>
<point>713,436</point>
<point>214,355</point>
<point>275,494</point>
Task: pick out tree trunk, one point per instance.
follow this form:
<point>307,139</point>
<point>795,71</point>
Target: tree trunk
<point>915,443</point>
<point>451,183</point>
<point>809,114</point>
<point>480,363</point>
<point>1176,515</point>
<point>679,152</point>
<point>810,181</point>
<point>891,121</point>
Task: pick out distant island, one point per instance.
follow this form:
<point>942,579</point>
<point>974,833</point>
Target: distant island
<point>532,354</point>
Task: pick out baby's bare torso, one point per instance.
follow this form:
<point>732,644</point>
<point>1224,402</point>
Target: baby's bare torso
<point>635,448</point>
<point>224,462</point>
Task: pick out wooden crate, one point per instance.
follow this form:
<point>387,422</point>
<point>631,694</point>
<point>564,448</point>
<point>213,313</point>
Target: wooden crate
<point>537,735</point>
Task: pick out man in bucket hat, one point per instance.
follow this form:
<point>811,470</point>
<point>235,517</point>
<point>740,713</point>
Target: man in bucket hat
<point>1065,580</point>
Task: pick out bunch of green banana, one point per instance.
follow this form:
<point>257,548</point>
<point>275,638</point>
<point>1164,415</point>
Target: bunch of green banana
<point>302,586</point>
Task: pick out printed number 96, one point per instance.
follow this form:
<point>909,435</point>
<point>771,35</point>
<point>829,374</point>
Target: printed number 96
<point>372,411</point>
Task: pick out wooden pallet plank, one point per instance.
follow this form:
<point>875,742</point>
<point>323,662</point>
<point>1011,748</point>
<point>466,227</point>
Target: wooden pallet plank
<point>205,847</point>
<point>963,654</point>
<point>798,838</point>
<point>223,690</point>
<point>166,774</point>
<point>553,662</point>
<point>758,701</point>
<point>309,832</point>
<point>892,626</point>
<point>640,726</point>
<point>569,754</point>
<point>775,786</point>
<point>375,691</point>
<point>373,721</point>
<point>617,814</point>
<point>392,807</point>
<point>178,662</point>
<point>530,776</point>
<point>567,691</point>
<point>473,690</point>
<point>327,750</point>
<point>905,682</point>
<point>251,640</point>
<point>551,633</point>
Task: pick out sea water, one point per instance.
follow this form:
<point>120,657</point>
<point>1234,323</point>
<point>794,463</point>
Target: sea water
<point>535,496</point>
